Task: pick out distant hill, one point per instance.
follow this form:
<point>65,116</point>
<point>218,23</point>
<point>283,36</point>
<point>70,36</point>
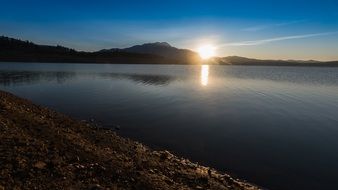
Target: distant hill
<point>163,49</point>
<point>15,50</point>
<point>19,46</point>
<point>236,60</point>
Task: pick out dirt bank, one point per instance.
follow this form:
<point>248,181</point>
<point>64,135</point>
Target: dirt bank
<point>43,149</point>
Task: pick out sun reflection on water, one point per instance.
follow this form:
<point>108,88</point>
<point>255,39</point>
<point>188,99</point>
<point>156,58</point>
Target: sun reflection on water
<point>204,75</point>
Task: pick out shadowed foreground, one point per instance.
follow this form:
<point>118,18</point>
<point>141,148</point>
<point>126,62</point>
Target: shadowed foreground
<point>42,149</point>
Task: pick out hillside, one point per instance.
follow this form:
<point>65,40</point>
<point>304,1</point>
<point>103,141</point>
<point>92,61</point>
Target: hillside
<point>162,49</point>
<point>236,60</point>
<point>14,50</point>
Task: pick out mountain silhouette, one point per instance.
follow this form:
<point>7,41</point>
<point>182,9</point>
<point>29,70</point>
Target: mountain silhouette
<point>237,60</point>
<point>15,50</point>
<point>163,49</point>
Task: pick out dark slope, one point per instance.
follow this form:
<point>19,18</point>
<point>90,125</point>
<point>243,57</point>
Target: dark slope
<point>14,50</point>
<point>166,50</point>
<point>236,60</point>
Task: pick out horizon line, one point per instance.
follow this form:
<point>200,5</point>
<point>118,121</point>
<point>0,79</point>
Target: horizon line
<point>244,43</point>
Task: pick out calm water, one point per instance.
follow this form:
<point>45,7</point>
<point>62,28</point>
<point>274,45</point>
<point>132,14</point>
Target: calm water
<point>274,126</point>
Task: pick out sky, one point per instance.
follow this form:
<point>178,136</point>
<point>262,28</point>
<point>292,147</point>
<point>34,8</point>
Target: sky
<point>288,29</point>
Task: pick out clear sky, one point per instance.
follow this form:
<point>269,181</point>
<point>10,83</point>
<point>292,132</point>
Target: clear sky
<point>274,29</point>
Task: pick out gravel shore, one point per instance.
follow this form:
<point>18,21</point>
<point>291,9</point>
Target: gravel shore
<point>43,149</point>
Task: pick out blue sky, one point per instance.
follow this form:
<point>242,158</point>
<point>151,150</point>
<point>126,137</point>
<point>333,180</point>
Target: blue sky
<point>286,29</point>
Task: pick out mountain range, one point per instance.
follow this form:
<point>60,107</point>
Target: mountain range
<point>15,50</point>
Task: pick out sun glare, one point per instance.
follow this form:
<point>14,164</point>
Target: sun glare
<point>206,51</point>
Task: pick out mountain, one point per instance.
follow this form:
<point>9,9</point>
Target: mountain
<point>18,46</point>
<point>15,50</point>
<point>163,49</point>
<point>236,60</point>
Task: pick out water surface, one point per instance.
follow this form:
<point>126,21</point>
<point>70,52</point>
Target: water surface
<point>275,126</point>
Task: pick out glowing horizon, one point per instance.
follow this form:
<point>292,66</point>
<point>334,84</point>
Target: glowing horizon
<point>250,29</point>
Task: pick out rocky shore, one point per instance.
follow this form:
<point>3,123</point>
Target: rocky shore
<point>43,149</point>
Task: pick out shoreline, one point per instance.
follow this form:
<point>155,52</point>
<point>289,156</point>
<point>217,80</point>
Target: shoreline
<point>329,65</point>
<point>44,149</point>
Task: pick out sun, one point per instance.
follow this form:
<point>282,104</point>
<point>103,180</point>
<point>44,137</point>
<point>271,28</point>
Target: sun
<point>206,51</point>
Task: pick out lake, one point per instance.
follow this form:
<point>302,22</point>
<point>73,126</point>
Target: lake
<point>273,126</point>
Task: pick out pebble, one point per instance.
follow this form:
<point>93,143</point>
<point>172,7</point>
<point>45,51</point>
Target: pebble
<point>40,165</point>
<point>95,187</point>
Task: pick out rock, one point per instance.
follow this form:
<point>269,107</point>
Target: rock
<point>209,172</point>
<point>95,187</point>
<point>2,187</point>
<point>40,165</point>
<point>166,155</point>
